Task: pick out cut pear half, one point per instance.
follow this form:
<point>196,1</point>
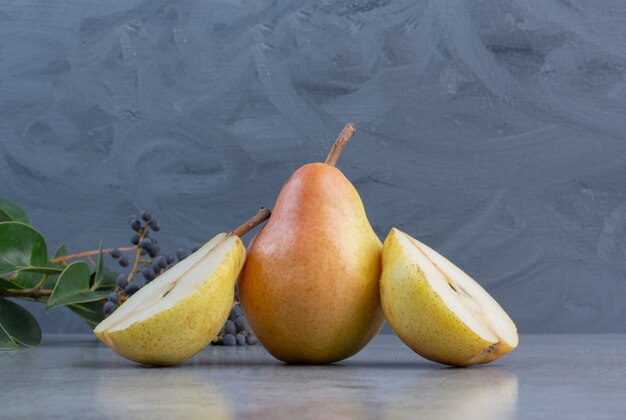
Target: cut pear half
<point>181,311</point>
<point>437,309</point>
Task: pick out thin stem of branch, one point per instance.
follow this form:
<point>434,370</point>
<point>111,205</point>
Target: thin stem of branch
<point>261,216</point>
<point>93,263</point>
<point>133,271</point>
<point>347,132</point>
<point>42,282</point>
<point>33,293</point>
<point>88,253</point>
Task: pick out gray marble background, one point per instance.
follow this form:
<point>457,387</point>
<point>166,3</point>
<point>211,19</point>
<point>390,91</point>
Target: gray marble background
<point>492,130</point>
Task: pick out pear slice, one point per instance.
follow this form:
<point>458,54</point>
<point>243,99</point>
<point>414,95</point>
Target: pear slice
<point>439,311</point>
<point>181,311</point>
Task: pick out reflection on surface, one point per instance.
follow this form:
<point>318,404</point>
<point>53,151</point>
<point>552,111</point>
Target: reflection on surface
<point>363,392</point>
<point>224,383</point>
<point>167,393</point>
<point>304,393</point>
<point>475,393</point>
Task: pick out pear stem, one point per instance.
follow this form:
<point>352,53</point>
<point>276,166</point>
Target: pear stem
<point>340,143</point>
<point>256,220</point>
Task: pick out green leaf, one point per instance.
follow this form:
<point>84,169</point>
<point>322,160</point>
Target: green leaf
<point>26,280</point>
<point>43,269</point>
<point>90,312</point>
<point>13,212</point>
<point>73,287</point>
<point>6,342</point>
<point>4,216</point>
<point>98,276</point>
<point>60,252</point>
<point>39,254</point>
<point>108,281</point>
<point>19,324</point>
<point>6,284</point>
<point>23,248</point>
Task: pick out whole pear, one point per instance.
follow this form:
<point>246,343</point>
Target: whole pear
<point>310,285</point>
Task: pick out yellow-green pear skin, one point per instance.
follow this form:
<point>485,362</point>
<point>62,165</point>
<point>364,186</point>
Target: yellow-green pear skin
<point>310,285</point>
<point>439,311</point>
<point>175,334</point>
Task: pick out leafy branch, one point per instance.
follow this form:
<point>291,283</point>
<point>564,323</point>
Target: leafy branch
<point>28,273</point>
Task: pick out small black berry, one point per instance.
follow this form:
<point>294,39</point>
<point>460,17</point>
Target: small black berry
<point>121,281</point>
<point>160,261</point>
<point>134,239</point>
<point>116,253</point>
<point>154,250</point>
<point>181,254</point>
<point>148,273</point>
<point>251,339</point>
<point>229,327</point>
<point>241,339</point>
<point>145,243</point>
<point>154,225</point>
<point>241,323</point>
<point>114,297</point>
<point>234,313</point>
<point>135,224</point>
<point>146,216</point>
<point>229,340</point>
<point>123,261</point>
<point>109,307</point>
<point>130,289</point>
<point>170,259</point>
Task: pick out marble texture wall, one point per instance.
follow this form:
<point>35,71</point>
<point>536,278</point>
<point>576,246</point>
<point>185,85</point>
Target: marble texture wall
<point>492,130</point>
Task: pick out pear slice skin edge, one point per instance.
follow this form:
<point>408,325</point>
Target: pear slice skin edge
<point>178,314</point>
<point>439,311</point>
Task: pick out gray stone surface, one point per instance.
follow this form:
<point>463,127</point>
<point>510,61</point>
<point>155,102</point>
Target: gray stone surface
<point>549,376</point>
<point>492,130</point>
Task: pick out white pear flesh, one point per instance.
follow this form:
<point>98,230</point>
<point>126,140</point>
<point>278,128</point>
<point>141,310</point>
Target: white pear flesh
<point>437,309</point>
<point>181,311</point>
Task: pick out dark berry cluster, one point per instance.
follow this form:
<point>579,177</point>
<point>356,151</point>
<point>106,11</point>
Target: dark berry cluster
<point>236,331</point>
<point>148,260</point>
